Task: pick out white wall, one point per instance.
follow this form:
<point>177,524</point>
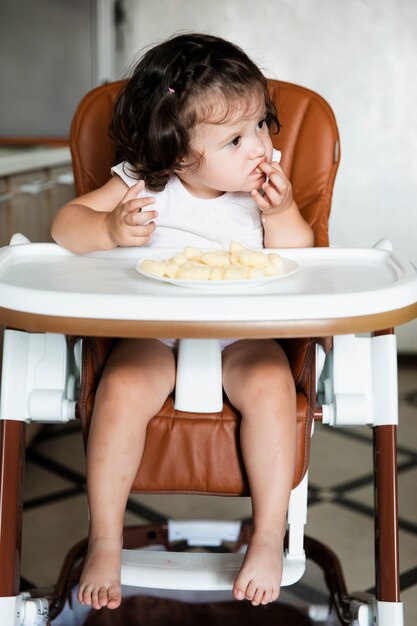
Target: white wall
<point>361,55</point>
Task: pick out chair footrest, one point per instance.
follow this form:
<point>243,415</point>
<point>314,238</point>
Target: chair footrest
<point>193,570</point>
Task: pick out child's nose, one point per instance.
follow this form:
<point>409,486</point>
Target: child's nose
<point>257,148</point>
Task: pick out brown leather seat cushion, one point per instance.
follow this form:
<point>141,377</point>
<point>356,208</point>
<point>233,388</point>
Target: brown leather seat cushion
<point>199,452</point>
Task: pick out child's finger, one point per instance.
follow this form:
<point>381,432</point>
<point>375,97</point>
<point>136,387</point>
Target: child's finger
<point>279,181</point>
<point>272,194</point>
<point>261,201</point>
<point>139,219</point>
<point>133,191</point>
<point>143,231</point>
<point>140,235</point>
<point>275,173</point>
<point>137,204</point>
<point>269,168</point>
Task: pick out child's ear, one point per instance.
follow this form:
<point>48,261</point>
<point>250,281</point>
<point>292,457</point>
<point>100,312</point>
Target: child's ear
<point>184,160</point>
<point>181,164</point>
<point>191,160</point>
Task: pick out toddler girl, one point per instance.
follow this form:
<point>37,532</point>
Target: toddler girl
<point>192,131</point>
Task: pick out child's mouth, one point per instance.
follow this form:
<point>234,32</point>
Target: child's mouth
<point>258,172</point>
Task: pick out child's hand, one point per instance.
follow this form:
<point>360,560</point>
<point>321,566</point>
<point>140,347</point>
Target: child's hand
<point>126,225</point>
<point>277,189</point>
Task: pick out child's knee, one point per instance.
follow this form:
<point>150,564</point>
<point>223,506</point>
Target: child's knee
<point>131,381</point>
<point>268,368</point>
<point>118,373</point>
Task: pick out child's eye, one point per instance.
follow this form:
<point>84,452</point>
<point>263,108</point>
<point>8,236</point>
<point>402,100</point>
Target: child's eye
<point>261,124</point>
<point>235,142</point>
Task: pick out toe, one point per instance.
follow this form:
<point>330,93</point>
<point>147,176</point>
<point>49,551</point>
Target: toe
<point>94,599</point>
<point>239,587</point>
<point>80,596</point>
<point>238,593</point>
<point>257,598</point>
<point>85,594</point>
<point>114,597</point>
<point>274,594</point>
<point>267,597</point>
<point>102,597</point>
<point>250,590</point>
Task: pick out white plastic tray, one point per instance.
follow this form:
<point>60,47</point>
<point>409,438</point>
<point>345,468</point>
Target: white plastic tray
<point>331,283</point>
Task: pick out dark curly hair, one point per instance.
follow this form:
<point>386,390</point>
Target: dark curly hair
<point>176,85</point>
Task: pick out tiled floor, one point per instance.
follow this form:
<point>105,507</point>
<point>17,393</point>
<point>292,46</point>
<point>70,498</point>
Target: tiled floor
<point>340,513</point>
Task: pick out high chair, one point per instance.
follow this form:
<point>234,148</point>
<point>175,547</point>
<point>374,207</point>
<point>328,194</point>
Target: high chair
<point>341,380</point>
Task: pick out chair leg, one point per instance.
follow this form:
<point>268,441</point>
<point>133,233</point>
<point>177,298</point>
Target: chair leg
<point>386,519</point>
<point>12,459</point>
<point>388,610</point>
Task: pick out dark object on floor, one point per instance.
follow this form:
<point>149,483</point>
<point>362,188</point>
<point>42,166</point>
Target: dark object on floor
<point>146,611</point>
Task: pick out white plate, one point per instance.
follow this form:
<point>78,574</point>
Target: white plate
<point>289,267</point>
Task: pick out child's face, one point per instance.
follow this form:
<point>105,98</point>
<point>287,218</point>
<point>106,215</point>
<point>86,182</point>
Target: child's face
<point>231,152</point>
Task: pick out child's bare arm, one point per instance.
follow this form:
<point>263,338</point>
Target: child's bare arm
<point>104,219</point>
<point>284,227</point>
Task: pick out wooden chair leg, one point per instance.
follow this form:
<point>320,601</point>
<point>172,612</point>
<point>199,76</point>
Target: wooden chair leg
<point>387,575</point>
<point>12,461</point>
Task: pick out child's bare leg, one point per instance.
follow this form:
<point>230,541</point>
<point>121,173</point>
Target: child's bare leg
<point>258,381</point>
<point>137,379</point>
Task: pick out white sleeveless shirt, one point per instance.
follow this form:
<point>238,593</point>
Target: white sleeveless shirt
<point>207,223</point>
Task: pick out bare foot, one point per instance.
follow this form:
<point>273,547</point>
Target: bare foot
<point>100,578</point>
<point>260,576</point>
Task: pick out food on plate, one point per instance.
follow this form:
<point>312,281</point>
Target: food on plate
<point>216,259</point>
<point>235,273</point>
<point>251,258</point>
<point>193,271</point>
<point>238,263</point>
<point>192,253</point>
<point>156,268</point>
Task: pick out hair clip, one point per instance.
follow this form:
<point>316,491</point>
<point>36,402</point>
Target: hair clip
<point>171,90</point>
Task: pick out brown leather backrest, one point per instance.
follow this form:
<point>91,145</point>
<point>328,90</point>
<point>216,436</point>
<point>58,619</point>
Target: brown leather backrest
<point>308,140</point>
